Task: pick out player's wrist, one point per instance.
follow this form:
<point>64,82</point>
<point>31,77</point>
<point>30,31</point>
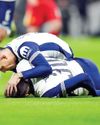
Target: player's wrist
<point>20,75</point>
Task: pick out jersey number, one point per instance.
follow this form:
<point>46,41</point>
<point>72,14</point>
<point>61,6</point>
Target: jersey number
<point>7,17</point>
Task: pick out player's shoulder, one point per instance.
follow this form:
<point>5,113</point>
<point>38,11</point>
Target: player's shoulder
<point>28,37</point>
<point>24,37</point>
<point>38,38</point>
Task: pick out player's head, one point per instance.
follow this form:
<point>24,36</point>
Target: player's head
<point>7,59</point>
<point>24,88</point>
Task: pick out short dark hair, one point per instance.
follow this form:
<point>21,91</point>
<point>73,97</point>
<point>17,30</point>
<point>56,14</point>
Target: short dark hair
<point>22,88</point>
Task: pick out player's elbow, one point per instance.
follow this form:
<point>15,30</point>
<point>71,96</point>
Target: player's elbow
<point>47,70</point>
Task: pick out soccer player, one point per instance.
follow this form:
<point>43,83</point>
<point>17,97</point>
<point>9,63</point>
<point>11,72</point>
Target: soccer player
<point>6,16</point>
<point>52,66</point>
<point>66,79</point>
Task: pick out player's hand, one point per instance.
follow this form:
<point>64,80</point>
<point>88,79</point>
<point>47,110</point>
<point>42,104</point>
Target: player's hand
<point>12,85</point>
<point>3,34</point>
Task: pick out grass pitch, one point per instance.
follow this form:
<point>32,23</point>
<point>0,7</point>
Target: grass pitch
<point>54,111</point>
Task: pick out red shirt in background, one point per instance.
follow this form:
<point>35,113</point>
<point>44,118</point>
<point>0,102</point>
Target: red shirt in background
<point>45,11</point>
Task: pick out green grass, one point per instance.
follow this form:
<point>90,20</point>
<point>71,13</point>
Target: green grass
<point>34,111</point>
<point>54,111</point>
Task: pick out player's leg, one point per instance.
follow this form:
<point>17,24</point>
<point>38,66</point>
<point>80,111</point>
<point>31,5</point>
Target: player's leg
<point>91,69</point>
<point>63,89</point>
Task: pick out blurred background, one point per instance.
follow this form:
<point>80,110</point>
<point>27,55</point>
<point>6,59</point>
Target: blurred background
<point>66,17</point>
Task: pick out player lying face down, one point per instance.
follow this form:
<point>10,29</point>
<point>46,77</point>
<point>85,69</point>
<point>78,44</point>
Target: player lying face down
<point>58,84</point>
<point>52,86</point>
<point>25,88</point>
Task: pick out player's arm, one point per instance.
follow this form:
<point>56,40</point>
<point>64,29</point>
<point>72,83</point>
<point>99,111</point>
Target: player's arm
<point>30,51</point>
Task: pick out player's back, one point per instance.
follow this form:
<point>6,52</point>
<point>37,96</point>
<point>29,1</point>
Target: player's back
<point>42,38</point>
<point>44,41</point>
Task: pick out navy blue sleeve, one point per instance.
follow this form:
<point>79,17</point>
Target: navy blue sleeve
<point>31,52</point>
<point>41,69</point>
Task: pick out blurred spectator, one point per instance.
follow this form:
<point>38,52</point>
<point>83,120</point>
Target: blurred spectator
<point>19,16</point>
<point>40,16</point>
<point>84,17</point>
<point>64,7</point>
<point>6,17</point>
<point>94,17</point>
<point>78,17</point>
<point>82,5</point>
